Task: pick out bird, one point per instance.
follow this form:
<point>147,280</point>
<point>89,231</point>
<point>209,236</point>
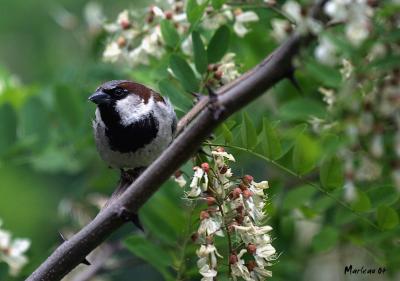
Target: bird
<point>133,125</point>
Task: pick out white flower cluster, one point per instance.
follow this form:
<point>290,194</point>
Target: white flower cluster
<point>299,19</point>
<point>380,105</point>
<point>135,39</point>
<point>135,43</point>
<point>235,211</point>
<point>223,72</point>
<point>356,16</point>
<point>12,251</point>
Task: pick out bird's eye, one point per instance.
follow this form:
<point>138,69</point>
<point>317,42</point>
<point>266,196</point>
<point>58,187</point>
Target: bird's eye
<point>119,92</point>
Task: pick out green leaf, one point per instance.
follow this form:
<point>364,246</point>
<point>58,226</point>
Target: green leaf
<point>387,218</point>
<point>270,141</point>
<point>219,44</point>
<point>306,153</point>
<point>298,196</point>
<point>151,253</point>
<point>179,98</point>
<point>331,173</point>
<point>8,127</point>
<point>248,132</point>
<point>383,195</point>
<point>200,54</point>
<point>34,121</point>
<point>217,4</point>
<point>325,240</point>
<point>184,73</point>
<point>290,136</point>
<point>68,105</point>
<point>195,11</point>
<point>153,214</point>
<point>301,109</point>
<point>228,136</point>
<point>169,33</point>
<point>361,203</point>
<point>327,75</point>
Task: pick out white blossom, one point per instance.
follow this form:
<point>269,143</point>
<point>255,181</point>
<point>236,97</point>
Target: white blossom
<point>208,253</point>
<point>293,10</point>
<point>347,69</point>
<point>199,182</point>
<point>376,146</point>
<point>329,96</point>
<point>93,13</point>
<point>241,20</point>
<point>210,226</point>
<point>229,70</point>
<point>215,20</point>
<point>207,273</point>
<point>280,29</point>
<point>356,15</point>
<point>12,251</point>
<point>112,52</point>
<point>325,52</point>
<point>350,192</point>
<point>220,157</point>
<point>180,180</point>
<point>239,269</point>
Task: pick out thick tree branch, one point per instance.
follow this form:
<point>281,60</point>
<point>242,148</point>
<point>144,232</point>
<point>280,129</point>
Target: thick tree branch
<point>231,98</point>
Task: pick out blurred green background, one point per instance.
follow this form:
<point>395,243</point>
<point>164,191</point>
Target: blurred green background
<point>50,62</point>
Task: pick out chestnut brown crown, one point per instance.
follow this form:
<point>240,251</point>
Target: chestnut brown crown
<point>115,90</point>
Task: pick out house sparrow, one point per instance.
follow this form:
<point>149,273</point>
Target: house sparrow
<point>133,125</point>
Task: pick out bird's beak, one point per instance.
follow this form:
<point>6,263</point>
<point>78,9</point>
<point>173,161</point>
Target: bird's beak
<point>99,97</point>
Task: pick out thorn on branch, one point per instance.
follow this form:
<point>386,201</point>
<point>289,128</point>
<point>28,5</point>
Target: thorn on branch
<point>128,215</point>
<point>214,104</point>
<point>293,80</point>
<point>197,96</point>
<point>63,239</point>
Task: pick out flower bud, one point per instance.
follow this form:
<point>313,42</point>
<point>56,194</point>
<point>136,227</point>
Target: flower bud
<point>204,215</point>
<point>242,186</point>
<point>233,259</point>
<point>247,193</point>
<point>210,201</point>
<point>223,169</point>
<point>240,209</point>
<point>247,179</point>
<point>251,265</point>
<point>239,218</point>
<point>194,236</point>
<point>235,193</point>
<point>205,166</point>
<point>251,248</point>
<point>121,41</point>
<point>150,18</point>
<point>220,149</point>
<point>218,74</point>
<point>168,15</point>
<point>125,24</point>
<point>231,227</point>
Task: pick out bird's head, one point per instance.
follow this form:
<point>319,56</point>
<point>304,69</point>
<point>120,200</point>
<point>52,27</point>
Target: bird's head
<point>125,99</point>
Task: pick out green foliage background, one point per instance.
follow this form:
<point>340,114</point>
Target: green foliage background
<point>47,152</point>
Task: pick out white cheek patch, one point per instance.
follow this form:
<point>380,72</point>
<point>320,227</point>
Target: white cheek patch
<point>133,108</point>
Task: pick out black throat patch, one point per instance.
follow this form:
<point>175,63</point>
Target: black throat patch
<point>128,138</point>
